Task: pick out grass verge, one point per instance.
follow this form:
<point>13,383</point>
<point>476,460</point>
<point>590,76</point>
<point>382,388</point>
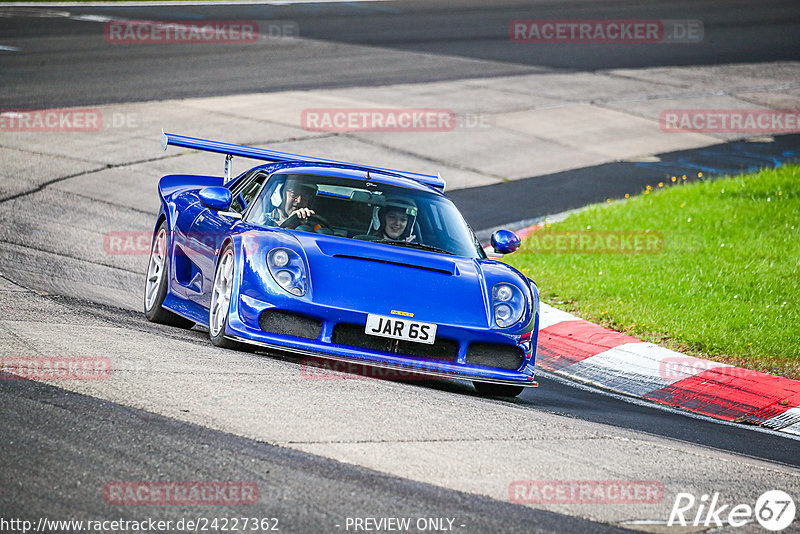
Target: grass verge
<point>724,284</point>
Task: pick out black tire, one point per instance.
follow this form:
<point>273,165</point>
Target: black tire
<point>218,336</point>
<point>497,390</point>
<point>156,313</point>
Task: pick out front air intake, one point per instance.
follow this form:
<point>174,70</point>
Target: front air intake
<point>508,357</point>
<point>353,336</point>
<point>290,324</point>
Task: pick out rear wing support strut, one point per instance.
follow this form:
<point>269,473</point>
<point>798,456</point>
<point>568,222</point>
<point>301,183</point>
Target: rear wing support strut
<point>228,159</point>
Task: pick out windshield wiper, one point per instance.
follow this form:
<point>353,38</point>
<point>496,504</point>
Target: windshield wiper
<point>417,246</point>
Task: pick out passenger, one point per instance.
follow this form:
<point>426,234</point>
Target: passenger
<point>396,220</point>
<point>296,196</point>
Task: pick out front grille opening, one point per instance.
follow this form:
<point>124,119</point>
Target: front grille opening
<point>290,324</point>
<point>508,357</point>
<point>353,336</point>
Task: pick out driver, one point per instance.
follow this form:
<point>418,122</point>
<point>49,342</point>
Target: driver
<point>296,195</point>
<point>396,219</point>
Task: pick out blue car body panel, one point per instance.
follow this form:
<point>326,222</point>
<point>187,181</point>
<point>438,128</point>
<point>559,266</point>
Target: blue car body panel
<point>347,280</point>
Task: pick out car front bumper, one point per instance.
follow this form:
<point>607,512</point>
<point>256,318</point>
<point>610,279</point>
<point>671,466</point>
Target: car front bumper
<point>243,326</point>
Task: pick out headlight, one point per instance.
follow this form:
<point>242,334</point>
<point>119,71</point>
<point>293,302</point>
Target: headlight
<point>504,292</point>
<point>280,257</point>
<point>509,304</point>
<point>288,269</point>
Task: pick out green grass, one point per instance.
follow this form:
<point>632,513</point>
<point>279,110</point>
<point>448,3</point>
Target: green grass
<point>725,286</point>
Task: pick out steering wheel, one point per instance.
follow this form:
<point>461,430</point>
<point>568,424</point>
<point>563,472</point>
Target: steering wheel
<point>293,221</point>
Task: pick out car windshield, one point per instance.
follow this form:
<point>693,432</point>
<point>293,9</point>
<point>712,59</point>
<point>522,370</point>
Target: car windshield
<point>364,210</point>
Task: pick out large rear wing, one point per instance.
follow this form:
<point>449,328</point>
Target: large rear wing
<point>263,154</point>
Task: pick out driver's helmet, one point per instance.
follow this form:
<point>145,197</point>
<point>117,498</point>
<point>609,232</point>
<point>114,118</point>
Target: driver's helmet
<point>308,190</point>
<point>399,204</point>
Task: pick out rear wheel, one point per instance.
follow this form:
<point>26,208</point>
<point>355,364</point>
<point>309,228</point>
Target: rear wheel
<point>497,390</point>
<point>221,300</point>
<point>155,286</point>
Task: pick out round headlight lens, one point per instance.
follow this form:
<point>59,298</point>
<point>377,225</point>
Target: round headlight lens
<point>504,293</point>
<point>280,258</point>
<point>284,278</point>
<point>502,312</point>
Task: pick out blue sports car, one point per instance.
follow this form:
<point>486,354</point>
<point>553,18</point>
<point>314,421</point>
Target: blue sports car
<point>340,261</point>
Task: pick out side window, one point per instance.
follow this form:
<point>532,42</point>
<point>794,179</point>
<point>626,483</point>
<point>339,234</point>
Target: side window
<point>243,196</point>
<point>267,199</point>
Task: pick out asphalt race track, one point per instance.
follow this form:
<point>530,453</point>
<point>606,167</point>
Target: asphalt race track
<point>323,451</point>
<point>64,61</point>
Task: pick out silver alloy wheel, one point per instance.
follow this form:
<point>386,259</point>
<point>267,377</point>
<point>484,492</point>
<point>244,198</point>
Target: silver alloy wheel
<point>155,270</point>
<point>221,294</point>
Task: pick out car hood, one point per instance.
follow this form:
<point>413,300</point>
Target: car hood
<point>381,279</point>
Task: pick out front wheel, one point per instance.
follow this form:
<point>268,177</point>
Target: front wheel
<point>497,390</point>
<point>155,286</point>
<point>221,300</point>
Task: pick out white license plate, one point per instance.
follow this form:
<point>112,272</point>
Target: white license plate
<point>394,328</point>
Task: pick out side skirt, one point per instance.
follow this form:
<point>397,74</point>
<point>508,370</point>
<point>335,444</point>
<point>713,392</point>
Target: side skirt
<point>186,309</point>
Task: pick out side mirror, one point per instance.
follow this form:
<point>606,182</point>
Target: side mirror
<point>505,242</point>
<point>217,198</point>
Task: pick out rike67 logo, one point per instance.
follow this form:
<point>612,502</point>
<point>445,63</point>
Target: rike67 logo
<point>774,510</point>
